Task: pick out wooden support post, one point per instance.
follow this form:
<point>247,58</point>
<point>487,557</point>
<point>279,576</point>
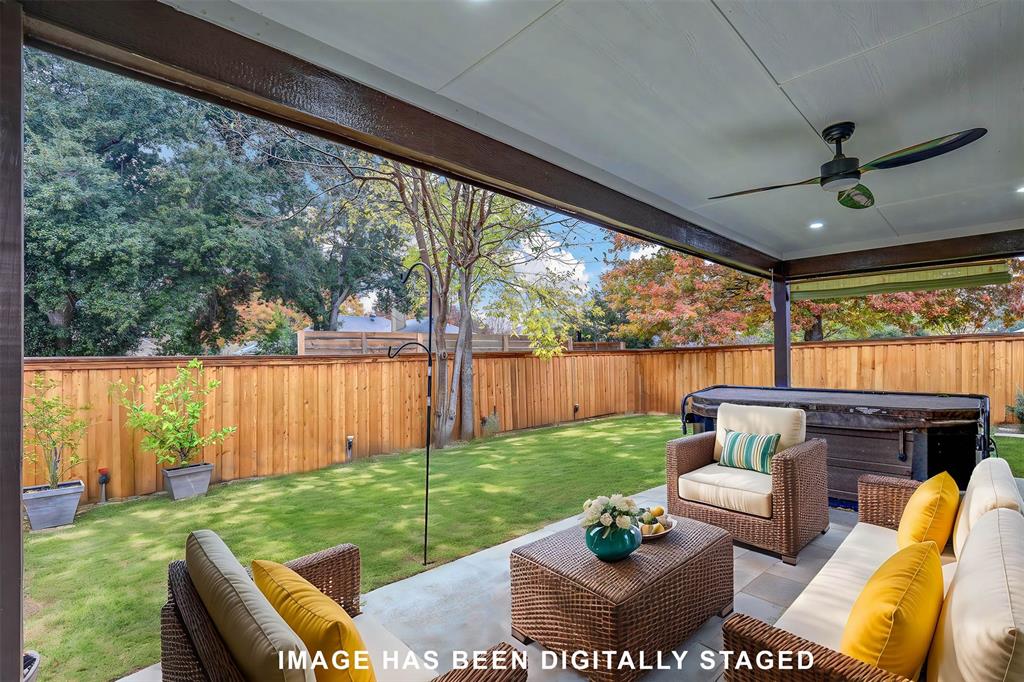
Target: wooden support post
<point>364,346</point>
<point>12,239</point>
<point>782,344</point>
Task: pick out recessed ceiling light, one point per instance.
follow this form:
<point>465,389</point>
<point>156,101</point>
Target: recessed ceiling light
<point>1020,190</point>
<point>816,225</point>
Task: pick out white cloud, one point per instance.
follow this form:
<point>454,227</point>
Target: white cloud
<point>644,252</point>
<point>557,263</point>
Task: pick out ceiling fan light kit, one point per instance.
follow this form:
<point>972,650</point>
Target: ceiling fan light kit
<point>842,174</point>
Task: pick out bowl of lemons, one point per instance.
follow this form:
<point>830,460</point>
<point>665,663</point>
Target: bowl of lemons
<point>655,523</point>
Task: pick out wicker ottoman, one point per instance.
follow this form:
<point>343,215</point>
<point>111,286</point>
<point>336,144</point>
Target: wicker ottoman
<point>568,600</point>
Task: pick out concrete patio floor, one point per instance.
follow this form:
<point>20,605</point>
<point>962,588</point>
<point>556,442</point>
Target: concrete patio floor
<point>465,604</point>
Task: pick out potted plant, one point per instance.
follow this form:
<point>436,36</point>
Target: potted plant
<point>610,525</point>
<point>171,427</point>
<point>52,434</point>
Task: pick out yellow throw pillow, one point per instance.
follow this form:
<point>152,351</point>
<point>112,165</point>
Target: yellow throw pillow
<point>893,620</point>
<point>319,621</point>
<point>930,512</point>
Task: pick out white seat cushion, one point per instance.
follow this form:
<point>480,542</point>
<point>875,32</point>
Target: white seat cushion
<point>739,490</point>
<point>980,635</point>
<point>378,640</point>
<point>992,486</point>
<point>820,612</point>
<point>788,422</point>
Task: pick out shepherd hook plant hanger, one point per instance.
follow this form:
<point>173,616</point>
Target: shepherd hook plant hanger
<point>429,348</point>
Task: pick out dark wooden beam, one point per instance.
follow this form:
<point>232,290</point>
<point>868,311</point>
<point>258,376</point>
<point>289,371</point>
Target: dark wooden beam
<point>1006,244</point>
<point>781,342</point>
<point>158,42</point>
<point>11,302</point>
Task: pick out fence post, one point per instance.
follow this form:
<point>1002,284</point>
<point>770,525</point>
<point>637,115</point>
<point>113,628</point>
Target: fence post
<point>505,343</point>
<point>568,345</point>
<point>300,342</point>
<point>364,346</point>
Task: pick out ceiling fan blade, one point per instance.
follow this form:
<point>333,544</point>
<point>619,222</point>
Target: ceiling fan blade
<point>856,197</point>
<point>808,181</point>
<point>925,150</point>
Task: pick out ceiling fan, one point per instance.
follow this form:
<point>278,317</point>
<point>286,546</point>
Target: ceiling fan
<point>842,174</point>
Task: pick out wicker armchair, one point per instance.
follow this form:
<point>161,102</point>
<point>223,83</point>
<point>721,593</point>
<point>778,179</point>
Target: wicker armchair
<point>191,650</point>
<point>881,500</point>
<point>799,495</point>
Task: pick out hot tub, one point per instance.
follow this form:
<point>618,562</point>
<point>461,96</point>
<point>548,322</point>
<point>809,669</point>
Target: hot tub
<point>913,435</point>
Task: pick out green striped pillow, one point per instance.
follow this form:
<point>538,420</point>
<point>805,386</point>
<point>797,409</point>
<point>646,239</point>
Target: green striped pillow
<point>749,451</point>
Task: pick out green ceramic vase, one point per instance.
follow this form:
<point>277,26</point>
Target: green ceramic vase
<point>619,543</point>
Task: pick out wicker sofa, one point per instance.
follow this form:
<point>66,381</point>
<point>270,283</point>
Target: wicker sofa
<point>974,639</point>
<point>780,512</point>
<point>191,650</point>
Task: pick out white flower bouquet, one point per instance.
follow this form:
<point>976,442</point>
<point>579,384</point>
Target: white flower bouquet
<point>612,512</point>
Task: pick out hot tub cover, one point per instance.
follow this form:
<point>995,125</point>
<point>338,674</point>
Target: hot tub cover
<point>835,407</point>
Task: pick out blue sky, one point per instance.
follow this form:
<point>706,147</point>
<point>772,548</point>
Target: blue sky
<point>592,243</point>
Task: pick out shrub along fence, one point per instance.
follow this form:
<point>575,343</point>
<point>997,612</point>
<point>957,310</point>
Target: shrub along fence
<point>298,413</point>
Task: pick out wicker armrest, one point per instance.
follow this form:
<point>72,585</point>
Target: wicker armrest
<point>881,499</point>
<point>335,572</point>
<point>800,494</point>
<point>800,469</point>
<point>802,456</point>
<point>686,454</point>
<point>690,452</point>
<point>745,633</point>
<point>507,673</point>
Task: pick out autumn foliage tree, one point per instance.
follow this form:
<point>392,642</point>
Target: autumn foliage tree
<point>684,300</point>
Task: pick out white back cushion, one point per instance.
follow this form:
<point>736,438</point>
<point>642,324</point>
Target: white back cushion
<point>992,486</point>
<point>980,635</point>
<point>252,630</point>
<point>790,422</point>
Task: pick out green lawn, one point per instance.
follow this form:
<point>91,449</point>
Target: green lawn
<point>1012,450</point>
<point>94,591</point>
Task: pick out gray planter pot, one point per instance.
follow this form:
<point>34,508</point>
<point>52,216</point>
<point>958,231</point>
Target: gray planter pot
<point>188,481</point>
<point>30,666</point>
<point>52,507</point>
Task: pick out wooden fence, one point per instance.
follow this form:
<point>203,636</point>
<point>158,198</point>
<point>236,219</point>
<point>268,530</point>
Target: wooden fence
<point>296,413</point>
<point>377,343</point>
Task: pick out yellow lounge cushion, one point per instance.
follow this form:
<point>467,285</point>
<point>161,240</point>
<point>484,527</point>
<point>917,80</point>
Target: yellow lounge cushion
<point>252,630</point>
<point>980,635</point>
<point>893,620</point>
<point>322,624</point>
<point>930,512</point>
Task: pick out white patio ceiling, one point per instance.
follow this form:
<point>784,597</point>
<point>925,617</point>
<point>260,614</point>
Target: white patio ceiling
<point>672,101</point>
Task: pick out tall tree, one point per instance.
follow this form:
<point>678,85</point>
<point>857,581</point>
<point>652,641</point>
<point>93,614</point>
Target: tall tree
<point>88,152</point>
<point>150,214</point>
<point>484,248</point>
<point>680,300</point>
<point>484,245</point>
<point>84,254</point>
<point>355,238</point>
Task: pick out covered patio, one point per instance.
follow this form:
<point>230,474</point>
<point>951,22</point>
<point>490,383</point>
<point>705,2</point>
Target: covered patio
<point>764,587</point>
<point>628,116</point>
